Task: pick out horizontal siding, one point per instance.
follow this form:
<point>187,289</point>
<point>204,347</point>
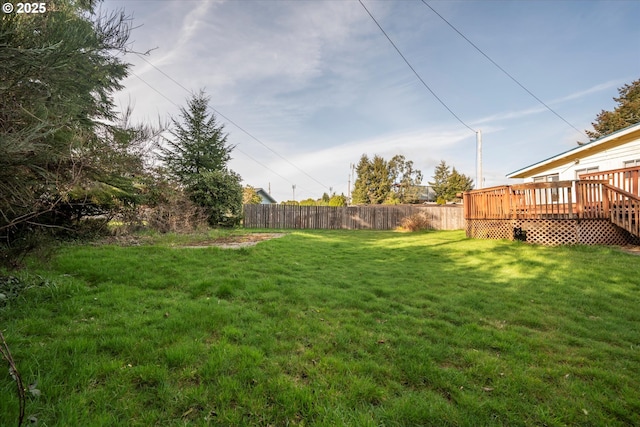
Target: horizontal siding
<point>350,217</point>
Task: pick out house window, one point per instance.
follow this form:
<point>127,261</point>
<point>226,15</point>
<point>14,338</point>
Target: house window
<point>586,170</point>
<point>628,181</point>
<point>547,178</point>
<point>542,194</point>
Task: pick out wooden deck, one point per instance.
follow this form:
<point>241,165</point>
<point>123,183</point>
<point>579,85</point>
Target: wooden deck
<point>545,200</point>
<point>605,197</point>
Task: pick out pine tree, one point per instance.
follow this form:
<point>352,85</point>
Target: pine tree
<point>373,184</point>
<point>59,71</point>
<point>198,145</point>
<point>197,157</point>
<point>360,195</point>
<point>447,183</point>
<point>625,114</point>
<point>458,183</point>
<point>440,183</point>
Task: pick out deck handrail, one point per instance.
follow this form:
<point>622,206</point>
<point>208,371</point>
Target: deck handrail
<point>624,209</point>
<point>626,179</point>
<point>539,200</point>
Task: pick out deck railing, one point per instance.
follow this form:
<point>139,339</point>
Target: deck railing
<point>624,208</point>
<point>540,200</point>
<point>627,179</point>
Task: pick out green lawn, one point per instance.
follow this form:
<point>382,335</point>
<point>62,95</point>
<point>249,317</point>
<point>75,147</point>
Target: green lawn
<point>324,328</point>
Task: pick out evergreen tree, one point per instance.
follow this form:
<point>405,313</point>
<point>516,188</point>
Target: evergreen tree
<point>360,193</point>
<point>197,158</point>
<point>440,183</point>
<point>58,73</point>
<point>458,183</point>
<point>373,184</point>
<point>447,183</point>
<point>198,145</point>
<point>625,114</point>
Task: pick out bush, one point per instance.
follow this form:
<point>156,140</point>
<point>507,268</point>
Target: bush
<point>168,209</point>
<point>220,194</point>
<point>415,222</point>
<point>176,214</point>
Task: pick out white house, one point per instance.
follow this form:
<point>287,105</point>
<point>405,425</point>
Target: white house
<point>618,150</point>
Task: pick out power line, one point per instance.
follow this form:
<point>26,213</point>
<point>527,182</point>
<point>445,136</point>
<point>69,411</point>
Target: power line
<point>235,147</point>
<point>235,124</point>
<point>415,72</point>
<point>154,89</point>
<point>502,69</point>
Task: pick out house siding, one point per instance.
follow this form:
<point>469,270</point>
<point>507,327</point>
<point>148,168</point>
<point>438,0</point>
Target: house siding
<point>613,158</point>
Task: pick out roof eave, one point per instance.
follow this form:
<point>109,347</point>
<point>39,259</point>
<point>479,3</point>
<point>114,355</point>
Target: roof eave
<point>576,153</point>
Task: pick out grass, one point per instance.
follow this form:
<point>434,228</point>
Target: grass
<point>323,328</point>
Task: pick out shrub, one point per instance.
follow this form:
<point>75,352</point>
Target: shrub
<point>220,194</point>
<point>415,222</point>
<point>168,209</point>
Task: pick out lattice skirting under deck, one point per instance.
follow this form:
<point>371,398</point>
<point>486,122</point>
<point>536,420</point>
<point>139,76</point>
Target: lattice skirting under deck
<point>551,232</point>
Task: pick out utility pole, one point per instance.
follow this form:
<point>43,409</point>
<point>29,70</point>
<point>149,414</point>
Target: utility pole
<point>349,184</point>
<point>294,192</point>
<point>350,179</point>
<point>479,159</point>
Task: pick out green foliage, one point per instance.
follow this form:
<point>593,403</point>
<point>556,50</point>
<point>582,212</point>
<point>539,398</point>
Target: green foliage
<point>440,183</point>
<point>197,158</point>
<point>250,196</point>
<point>393,182</point>
<point>59,160</point>
<point>447,183</point>
<point>625,114</point>
<point>198,143</point>
<point>220,194</point>
<point>308,202</point>
<point>338,200</point>
<point>374,181</point>
<point>406,180</point>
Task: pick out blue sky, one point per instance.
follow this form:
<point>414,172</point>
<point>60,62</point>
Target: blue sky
<point>318,83</point>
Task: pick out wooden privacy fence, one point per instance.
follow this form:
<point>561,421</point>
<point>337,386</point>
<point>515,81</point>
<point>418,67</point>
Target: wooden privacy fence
<point>448,217</point>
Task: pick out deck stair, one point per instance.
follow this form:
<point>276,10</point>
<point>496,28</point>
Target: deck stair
<point>624,208</point>
<point>621,190</point>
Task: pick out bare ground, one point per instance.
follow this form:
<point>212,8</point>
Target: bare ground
<point>235,242</point>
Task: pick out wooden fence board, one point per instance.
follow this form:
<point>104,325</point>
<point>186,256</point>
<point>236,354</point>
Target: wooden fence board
<point>449,217</point>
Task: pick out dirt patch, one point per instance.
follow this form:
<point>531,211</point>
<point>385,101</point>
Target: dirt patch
<point>235,242</point>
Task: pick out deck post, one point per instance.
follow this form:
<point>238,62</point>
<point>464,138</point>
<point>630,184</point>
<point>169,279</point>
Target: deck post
<point>579,199</point>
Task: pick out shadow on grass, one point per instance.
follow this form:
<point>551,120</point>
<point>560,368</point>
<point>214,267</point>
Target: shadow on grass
<point>339,328</point>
